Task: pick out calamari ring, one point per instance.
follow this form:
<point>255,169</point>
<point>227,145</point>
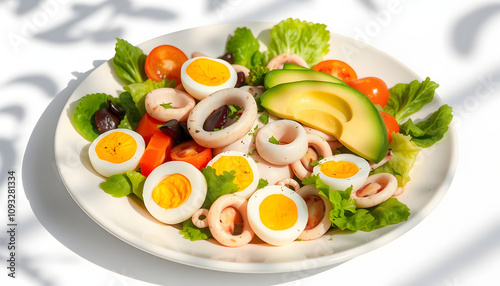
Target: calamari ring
<point>288,182</point>
<point>376,189</point>
<point>318,144</point>
<point>292,138</point>
<point>240,68</point>
<point>200,223</point>
<point>327,137</point>
<point>229,134</point>
<point>216,228</point>
<point>180,104</point>
<point>278,61</point>
<point>322,226</point>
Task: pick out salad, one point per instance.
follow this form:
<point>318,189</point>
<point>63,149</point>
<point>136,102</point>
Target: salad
<point>213,144</point>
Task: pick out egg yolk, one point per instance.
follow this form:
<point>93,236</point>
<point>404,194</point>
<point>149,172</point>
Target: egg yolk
<point>339,169</point>
<point>208,72</point>
<point>278,212</point>
<point>172,191</point>
<point>244,174</point>
<point>116,147</point>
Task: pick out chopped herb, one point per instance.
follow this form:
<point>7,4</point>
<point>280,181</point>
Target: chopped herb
<point>233,111</point>
<point>264,118</point>
<point>251,153</point>
<point>262,183</point>
<point>274,140</point>
<point>166,105</point>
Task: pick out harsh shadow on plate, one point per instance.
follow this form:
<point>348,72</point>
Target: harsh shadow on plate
<point>62,217</point>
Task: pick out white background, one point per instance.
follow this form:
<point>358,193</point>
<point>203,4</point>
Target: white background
<point>48,47</point>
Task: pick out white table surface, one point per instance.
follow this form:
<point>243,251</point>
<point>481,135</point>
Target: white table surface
<point>48,47</point>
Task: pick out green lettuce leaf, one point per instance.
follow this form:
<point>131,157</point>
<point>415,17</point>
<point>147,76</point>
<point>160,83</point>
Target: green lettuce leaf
<point>426,133</point>
<point>132,114</point>
<point>405,154</point>
<point>120,185</point>
<point>406,99</point>
<point>243,45</point>
<point>129,62</point>
<point>193,233</point>
<point>83,118</point>
<point>138,91</point>
<point>308,40</point>
<point>346,216</point>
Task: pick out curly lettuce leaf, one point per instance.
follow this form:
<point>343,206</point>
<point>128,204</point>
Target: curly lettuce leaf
<point>308,40</point>
<point>138,91</point>
<point>83,118</point>
<point>120,185</point>
<point>129,62</point>
<point>243,46</point>
<point>346,216</point>
<point>426,133</point>
<point>406,99</point>
<point>405,154</point>
<point>193,233</point>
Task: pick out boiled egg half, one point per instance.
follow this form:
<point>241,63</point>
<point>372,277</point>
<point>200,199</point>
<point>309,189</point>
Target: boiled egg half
<point>174,191</point>
<point>116,151</point>
<point>277,214</point>
<point>202,76</point>
<point>246,171</point>
<point>341,171</point>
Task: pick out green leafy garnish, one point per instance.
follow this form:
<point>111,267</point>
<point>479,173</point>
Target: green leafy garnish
<point>426,133</point>
<point>405,154</point>
<point>406,99</point>
<point>138,91</point>
<point>233,111</point>
<point>132,114</point>
<point>262,183</point>
<point>274,140</point>
<point>129,62</point>
<point>264,118</point>
<point>243,45</point>
<point>83,118</point>
<point>193,233</point>
<point>308,40</point>
<point>120,185</point>
<point>167,105</point>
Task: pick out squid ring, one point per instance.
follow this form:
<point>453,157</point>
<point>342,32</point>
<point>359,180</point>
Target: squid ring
<point>288,182</point>
<point>229,134</point>
<point>278,61</point>
<point>327,137</point>
<point>216,228</point>
<point>321,146</point>
<point>200,223</point>
<point>292,142</point>
<point>376,189</point>
<point>315,229</point>
<point>166,103</point>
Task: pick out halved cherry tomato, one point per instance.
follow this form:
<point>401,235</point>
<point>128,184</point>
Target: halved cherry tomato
<point>390,123</point>
<point>374,88</point>
<point>165,61</point>
<point>157,152</point>
<point>338,69</point>
<point>148,126</point>
<point>191,153</point>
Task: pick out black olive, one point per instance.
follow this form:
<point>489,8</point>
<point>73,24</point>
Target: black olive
<point>228,57</point>
<point>216,119</point>
<point>176,130</point>
<point>116,110</point>
<point>241,79</point>
<point>105,120</point>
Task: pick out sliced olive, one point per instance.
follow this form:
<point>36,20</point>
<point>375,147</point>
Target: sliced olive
<point>216,119</point>
<point>105,120</point>
<point>116,110</point>
<point>228,57</point>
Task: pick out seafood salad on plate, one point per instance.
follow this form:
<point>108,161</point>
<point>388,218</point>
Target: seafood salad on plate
<point>260,144</point>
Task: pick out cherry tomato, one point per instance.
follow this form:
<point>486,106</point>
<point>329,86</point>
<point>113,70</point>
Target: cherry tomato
<point>165,61</point>
<point>374,88</point>
<point>148,126</point>
<point>390,123</point>
<point>191,153</point>
<point>338,69</point>
<point>157,152</point>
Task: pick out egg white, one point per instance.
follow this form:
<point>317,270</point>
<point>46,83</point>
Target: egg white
<point>200,91</point>
<point>192,203</point>
<point>356,181</point>
<point>106,168</point>
<point>276,237</point>
<point>248,191</point>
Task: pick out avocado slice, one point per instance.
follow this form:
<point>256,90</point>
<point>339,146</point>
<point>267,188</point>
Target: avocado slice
<point>276,77</point>
<point>335,109</point>
<point>290,66</point>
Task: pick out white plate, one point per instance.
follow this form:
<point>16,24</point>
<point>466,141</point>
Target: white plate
<point>127,218</point>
